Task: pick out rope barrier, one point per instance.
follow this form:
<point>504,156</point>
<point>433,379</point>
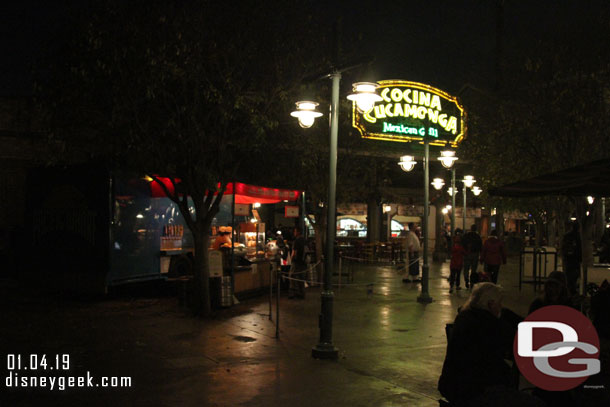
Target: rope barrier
<point>286,275</point>
<point>359,259</point>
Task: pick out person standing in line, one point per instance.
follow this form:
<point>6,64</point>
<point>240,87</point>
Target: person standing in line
<point>298,267</point>
<point>472,244</point>
<point>493,255</point>
<point>571,251</point>
<point>604,247</point>
<point>413,247</point>
<point>457,262</point>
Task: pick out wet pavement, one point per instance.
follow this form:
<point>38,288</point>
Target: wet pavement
<point>391,348</point>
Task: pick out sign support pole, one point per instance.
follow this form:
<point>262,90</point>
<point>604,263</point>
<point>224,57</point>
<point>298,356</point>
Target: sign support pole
<point>464,212</point>
<point>424,297</point>
<point>452,206</point>
<point>325,349</point>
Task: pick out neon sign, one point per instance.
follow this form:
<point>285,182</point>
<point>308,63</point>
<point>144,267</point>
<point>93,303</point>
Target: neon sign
<point>412,111</point>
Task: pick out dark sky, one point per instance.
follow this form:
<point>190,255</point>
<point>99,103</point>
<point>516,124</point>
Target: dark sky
<point>445,43</point>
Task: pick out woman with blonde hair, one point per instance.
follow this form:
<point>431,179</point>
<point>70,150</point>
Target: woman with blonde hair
<point>474,371</point>
<point>486,296</point>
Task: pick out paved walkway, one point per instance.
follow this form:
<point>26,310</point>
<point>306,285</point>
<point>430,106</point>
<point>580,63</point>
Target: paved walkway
<point>391,347</point>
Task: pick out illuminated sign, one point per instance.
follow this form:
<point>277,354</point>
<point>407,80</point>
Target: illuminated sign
<point>412,111</point>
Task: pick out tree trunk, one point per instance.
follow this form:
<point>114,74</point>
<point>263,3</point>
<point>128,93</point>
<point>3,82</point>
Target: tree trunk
<point>539,229</point>
<point>552,238</point>
<point>600,224</point>
<point>202,305</point>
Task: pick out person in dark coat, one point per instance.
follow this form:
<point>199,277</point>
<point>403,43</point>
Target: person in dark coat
<point>457,262</point>
<point>555,292</point>
<point>571,250</point>
<point>604,247</point>
<point>474,371</point>
<point>473,244</point>
<point>298,270</point>
<point>493,255</point>
<point>475,352</point>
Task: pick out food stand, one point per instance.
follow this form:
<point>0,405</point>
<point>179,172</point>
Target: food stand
<point>249,262</point>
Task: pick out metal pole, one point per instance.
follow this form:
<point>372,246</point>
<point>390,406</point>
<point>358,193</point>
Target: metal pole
<point>303,224</point>
<point>452,206</point>
<point>277,303</point>
<point>425,295</point>
<point>604,213</point>
<point>464,212</point>
<point>233,236</point>
<point>325,349</point>
<point>271,290</point>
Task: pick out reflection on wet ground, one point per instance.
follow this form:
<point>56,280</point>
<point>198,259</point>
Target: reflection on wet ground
<point>391,347</point>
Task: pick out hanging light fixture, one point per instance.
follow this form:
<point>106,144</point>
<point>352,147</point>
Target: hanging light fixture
<point>306,113</point>
<point>364,95</point>
<point>447,158</point>
<point>476,191</point>
<point>451,191</point>
<point>468,181</point>
<point>590,199</point>
<point>407,162</point>
<point>437,183</point>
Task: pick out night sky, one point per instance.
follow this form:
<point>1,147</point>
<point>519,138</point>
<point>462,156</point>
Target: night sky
<point>444,43</point>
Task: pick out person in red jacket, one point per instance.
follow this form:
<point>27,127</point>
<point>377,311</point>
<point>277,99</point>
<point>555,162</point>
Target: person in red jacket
<point>493,255</point>
<point>457,262</point>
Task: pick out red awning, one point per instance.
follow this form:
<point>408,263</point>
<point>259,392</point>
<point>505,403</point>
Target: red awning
<point>156,191</point>
<point>245,194</point>
<point>249,194</point>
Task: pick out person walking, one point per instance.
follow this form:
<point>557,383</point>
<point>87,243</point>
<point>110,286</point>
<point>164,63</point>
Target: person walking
<point>472,244</point>
<point>412,247</point>
<point>493,255</point>
<point>457,262</point>
<point>571,251</point>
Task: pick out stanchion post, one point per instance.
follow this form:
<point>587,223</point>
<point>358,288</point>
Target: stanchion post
<point>270,291</point>
<point>277,304</point>
<point>424,296</point>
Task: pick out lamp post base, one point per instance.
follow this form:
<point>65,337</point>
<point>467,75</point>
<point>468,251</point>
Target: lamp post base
<point>424,298</point>
<point>324,351</point>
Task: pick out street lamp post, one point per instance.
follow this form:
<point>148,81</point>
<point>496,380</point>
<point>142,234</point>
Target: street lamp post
<point>464,209</point>
<point>452,205</point>
<point>407,163</point>
<point>306,113</point>
<point>325,349</point>
<point>468,182</point>
<point>425,294</point>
